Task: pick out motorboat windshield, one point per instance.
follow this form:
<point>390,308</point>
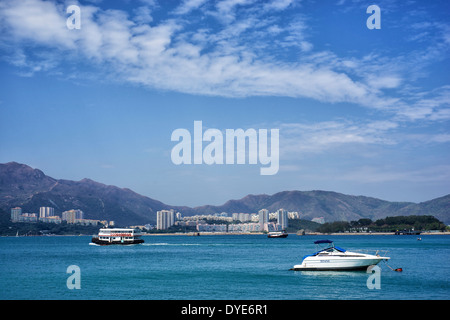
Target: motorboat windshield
<point>330,248</point>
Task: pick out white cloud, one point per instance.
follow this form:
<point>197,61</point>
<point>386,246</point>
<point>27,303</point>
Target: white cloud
<point>381,82</point>
<point>189,5</point>
<point>37,21</point>
<point>306,46</point>
<point>226,9</point>
<point>143,15</point>
<point>277,5</point>
<point>306,138</point>
<point>433,105</point>
<point>368,174</point>
<point>233,58</point>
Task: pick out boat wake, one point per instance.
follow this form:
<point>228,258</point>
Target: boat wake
<point>171,244</point>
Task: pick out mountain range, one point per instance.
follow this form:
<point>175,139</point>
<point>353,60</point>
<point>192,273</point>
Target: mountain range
<point>28,188</point>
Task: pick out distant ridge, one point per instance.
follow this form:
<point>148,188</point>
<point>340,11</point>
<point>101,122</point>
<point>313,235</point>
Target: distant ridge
<point>333,206</point>
<point>21,185</point>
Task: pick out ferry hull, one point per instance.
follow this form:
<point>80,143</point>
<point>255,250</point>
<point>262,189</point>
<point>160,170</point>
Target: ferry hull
<point>123,243</point>
<point>277,236</point>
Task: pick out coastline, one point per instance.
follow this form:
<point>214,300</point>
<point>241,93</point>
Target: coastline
<point>374,233</point>
<point>194,234</point>
<point>307,234</point>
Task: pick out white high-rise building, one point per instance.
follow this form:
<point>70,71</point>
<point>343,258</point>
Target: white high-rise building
<point>46,212</point>
<point>15,214</point>
<point>282,218</point>
<point>165,219</point>
<point>71,216</point>
<point>263,220</point>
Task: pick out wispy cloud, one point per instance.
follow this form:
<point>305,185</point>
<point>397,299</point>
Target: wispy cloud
<point>343,135</point>
<point>233,56</point>
<point>189,5</point>
<point>375,112</point>
<point>369,174</point>
<point>433,105</point>
<point>312,138</point>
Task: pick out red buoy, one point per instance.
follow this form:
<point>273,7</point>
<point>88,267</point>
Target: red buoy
<point>398,269</point>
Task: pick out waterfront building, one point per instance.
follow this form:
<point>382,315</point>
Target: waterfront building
<point>46,212</point>
<point>28,217</point>
<point>263,219</point>
<point>87,222</point>
<point>18,216</point>
<point>293,215</point>
<point>71,216</point>
<point>244,227</point>
<point>50,219</point>
<point>165,219</point>
<point>212,227</point>
<point>282,218</point>
<point>243,217</point>
<point>273,227</point>
<point>187,223</point>
<point>16,213</point>
<point>221,214</point>
<point>207,217</point>
<point>77,216</point>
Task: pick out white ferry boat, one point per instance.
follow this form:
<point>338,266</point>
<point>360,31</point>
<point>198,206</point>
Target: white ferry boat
<point>118,236</point>
<point>277,234</point>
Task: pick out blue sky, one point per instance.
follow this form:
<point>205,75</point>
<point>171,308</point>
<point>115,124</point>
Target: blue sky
<point>363,112</point>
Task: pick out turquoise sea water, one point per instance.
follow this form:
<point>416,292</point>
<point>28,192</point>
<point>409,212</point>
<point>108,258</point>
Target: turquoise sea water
<point>228,267</point>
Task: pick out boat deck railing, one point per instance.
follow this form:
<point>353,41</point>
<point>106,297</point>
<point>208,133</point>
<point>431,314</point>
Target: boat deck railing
<point>375,252</point>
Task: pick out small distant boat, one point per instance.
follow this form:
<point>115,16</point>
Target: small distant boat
<point>277,234</point>
<point>334,258</point>
<point>120,236</point>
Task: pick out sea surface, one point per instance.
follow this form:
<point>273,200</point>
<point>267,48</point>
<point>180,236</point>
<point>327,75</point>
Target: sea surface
<point>229,267</point>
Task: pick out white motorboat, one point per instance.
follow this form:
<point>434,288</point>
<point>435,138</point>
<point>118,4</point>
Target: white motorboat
<point>333,258</point>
